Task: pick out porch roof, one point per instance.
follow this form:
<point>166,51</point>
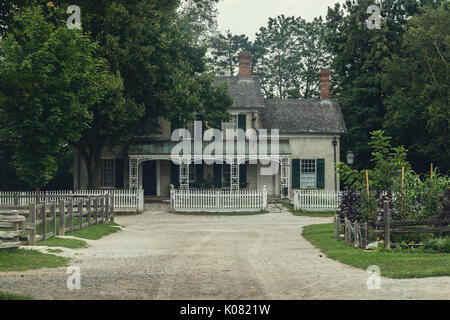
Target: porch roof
<point>165,148</point>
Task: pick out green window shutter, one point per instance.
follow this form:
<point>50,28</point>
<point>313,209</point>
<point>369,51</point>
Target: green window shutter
<point>295,173</point>
<point>198,175</point>
<point>242,122</point>
<point>218,175</point>
<point>174,175</point>
<point>119,173</point>
<point>320,179</point>
<point>243,176</point>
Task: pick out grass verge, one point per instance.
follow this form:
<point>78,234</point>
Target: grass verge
<point>95,232</point>
<point>290,207</point>
<point>63,242</point>
<point>12,296</point>
<point>396,265</point>
<point>22,259</point>
<point>248,213</point>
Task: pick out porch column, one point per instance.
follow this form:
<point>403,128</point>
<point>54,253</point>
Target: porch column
<point>184,175</point>
<point>134,174</point>
<point>285,185</point>
<point>234,181</point>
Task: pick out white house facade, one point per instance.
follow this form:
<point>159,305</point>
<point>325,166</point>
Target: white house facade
<point>309,144</point>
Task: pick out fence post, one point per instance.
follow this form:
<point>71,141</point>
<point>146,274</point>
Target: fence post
<point>89,210</point>
<point>336,226</point>
<point>43,222</point>
<point>106,208</point>
<point>16,201</point>
<point>53,212</point>
<point>32,235</point>
<point>348,235</point>
<point>102,209</point>
<point>356,233</point>
<point>70,211</point>
<point>80,213</point>
<point>364,232</point>
<point>62,206</point>
<point>95,210</point>
<point>264,198</point>
<point>387,227</point>
<point>111,208</point>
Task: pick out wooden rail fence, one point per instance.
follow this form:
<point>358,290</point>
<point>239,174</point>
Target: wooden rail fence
<point>357,233</point>
<point>14,222</point>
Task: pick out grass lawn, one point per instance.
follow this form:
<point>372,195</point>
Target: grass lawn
<point>249,213</point>
<point>11,296</point>
<point>290,207</point>
<point>62,242</point>
<point>22,259</point>
<point>95,232</point>
<point>397,265</point>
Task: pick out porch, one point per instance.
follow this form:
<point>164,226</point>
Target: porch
<point>152,169</point>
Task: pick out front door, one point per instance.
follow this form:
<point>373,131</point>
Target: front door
<point>149,178</point>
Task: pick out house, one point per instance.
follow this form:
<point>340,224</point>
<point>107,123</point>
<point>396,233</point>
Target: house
<point>309,142</point>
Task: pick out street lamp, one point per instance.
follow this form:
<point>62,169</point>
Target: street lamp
<point>350,158</point>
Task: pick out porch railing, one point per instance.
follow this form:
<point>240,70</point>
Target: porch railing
<point>218,200</point>
<point>315,200</point>
<point>124,200</point>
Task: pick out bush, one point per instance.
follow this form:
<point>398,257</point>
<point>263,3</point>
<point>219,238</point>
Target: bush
<point>438,244</point>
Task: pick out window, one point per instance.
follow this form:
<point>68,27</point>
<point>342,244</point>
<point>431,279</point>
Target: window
<point>308,173</point>
<point>192,174</point>
<point>226,175</point>
<point>108,173</point>
<point>232,124</point>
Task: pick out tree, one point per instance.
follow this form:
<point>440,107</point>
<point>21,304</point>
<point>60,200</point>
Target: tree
<point>225,50</point>
<point>416,83</point>
<point>358,55</point>
<point>290,53</point>
<point>49,76</point>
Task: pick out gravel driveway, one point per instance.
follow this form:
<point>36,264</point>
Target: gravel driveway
<point>159,255</point>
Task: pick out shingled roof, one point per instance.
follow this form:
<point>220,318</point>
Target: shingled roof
<point>246,93</point>
<point>303,116</point>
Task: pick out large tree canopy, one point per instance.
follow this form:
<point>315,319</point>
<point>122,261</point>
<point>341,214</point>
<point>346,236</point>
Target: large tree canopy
<point>416,82</point>
<point>49,77</point>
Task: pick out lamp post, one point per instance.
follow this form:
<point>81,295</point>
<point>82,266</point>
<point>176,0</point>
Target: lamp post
<point>350,158</point>
<point>335,175</point>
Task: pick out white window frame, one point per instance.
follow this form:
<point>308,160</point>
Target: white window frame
<point>102,185</point>
<point>301,174</point>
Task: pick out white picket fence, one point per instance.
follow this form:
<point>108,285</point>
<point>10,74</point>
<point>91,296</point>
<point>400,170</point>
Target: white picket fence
<point>124,200</point>
<point>218,200</point>
<point>315,200</point>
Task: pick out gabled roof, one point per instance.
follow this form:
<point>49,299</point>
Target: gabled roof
<point>246,93</point>
<point>303,116</point>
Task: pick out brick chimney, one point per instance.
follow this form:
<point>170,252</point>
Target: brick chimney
<point>245,64</point>
<point>325,84</point>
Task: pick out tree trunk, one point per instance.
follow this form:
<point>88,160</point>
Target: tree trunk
<point>92,160</point>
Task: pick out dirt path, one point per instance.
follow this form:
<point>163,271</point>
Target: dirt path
<point>165,256</point>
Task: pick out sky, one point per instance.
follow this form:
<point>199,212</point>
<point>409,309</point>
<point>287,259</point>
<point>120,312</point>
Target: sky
<point>247,16</point>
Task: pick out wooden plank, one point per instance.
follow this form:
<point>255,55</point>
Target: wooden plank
<point>62,208</point>
<point>32,215</point>
<point>421,230</point>
<point>5,245</point>
<point>53,218</point>
<point>11,218</point>
<point>11,234</point>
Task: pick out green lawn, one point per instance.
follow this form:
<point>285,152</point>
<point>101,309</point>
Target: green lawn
<point>397,265</point>
<point>95,232</point>
<point>23,259</point>
<point>11,296</point>
<point>248,213</point>
<point>290,207</point>
<point>63,242</point>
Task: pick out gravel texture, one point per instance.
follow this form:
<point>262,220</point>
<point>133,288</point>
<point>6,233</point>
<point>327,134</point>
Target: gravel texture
<point>160,255</point>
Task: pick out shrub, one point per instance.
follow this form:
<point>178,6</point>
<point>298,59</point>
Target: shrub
<point>349,207</point>
<point>441,244</point>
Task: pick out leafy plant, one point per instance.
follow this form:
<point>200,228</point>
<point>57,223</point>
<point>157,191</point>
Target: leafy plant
<point>439,244</point>
<point>349,207</point>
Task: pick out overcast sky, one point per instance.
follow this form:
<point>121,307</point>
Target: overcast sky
<point>247,16</point>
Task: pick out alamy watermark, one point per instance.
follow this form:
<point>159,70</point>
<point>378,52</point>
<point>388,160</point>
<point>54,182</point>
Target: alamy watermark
<point>235,143</point>
<point>374,21</point>
<point>74,280</point>
<point>374,279</point>
<point>74,21</point>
